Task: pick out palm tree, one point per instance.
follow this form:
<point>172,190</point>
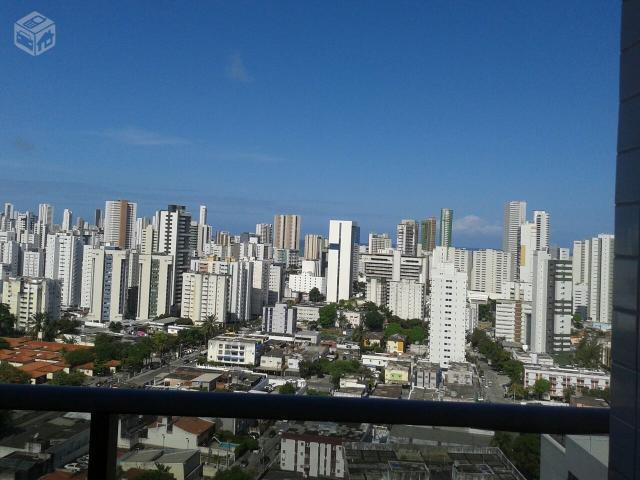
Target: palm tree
<point>209,328</point>
<point>38,321</point>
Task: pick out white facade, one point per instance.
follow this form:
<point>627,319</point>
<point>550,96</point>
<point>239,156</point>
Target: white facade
<point>265,233</point>
<point>447,335</point>
<point>313,247</point>
<point>541,221</point>
<point>562,378</point>
<point>64,263</point>
<point>342,259</point>
<point>407,237</point>
<point>307,281</point>
<point>394,266</point>
<point>155,275</point>
<point>490,270</point>
<point>286,232</point>
<point>312,456</point>
<point>233,350</point>
<point>601,282</point>
<point>104,283</point>
<point>279,319</point>
<point>67,218</point>
<point>406,299</point>
<point>27,296</point>
<point>240,291</point>
<point>33,263</point>
<point>515,214</point>
<point>204,295</point>
<point>511,320</point>
<point>379,243</point>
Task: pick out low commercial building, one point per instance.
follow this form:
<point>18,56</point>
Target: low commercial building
<point>459,373</point>
<point>232,350</point>
<point>396,343</point>
<point>398,373</point>
<point>562,378</point>
<point>182,464</point>
<point>308,313</point>
<point>427,375</point>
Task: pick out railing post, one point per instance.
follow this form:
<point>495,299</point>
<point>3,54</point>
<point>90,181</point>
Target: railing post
<point>102,449</point>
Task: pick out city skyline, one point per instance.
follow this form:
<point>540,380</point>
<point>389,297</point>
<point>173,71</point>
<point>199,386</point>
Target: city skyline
<point>469,135</point>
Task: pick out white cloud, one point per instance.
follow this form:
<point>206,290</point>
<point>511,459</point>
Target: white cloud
<point>142,138</point>
<point>237,71</point>
<point>474,225</point>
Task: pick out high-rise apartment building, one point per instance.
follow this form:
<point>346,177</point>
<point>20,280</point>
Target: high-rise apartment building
<point>428,234</point>
<point>104,283</point>
<point>64,262</point>
<point>312,247</point>
<point>240,290</point>
<point>33,263</point>
<point>344,236</point>
<point>407,237</point>
<point>551,307</point>
<point>601,281</point>
<point>406,299</point>
<point>265,233</point>
<point>45,214</point>
<point>202,217</point>
<point>447,337</point>
<point>286,232</point>
<point>174,235</point>
<point>490,270</point>
<point>515,214</point>
<point>27,296</point>
<point>279,318</point>
<point>446,227</point>
<point>120,223</point>
<point>541,221</point>
<point>379,243</point>
<point>155,279</point>
<point>67,219</point>
<point>205,295</point>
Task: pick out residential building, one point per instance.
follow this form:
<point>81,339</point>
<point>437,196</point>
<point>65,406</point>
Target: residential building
<point>551,308</point>
<point>407,237</point>
<point>313,247</point>
<point>447,336</point>
<point>515,214</point>
<point>562,378</point>
<point>64,262</point>
<point>344,236</point>
<point>279,319</point>
<point>119,223</point>
<point>446,227</point>
<point>174,235</point>
<point>155,278</point>
<point>67,219</point>
<point>394,266</point>
<point>379,243</point>
<point>541,221</point>
<point>512,318</point>
<point>428,234</point>
<point>202,215</point>
<point>33,263</point>
<point>601,281</point>
<point>27,296</point>
<point>240,291</point>
<point>104,284</point>
<point>45,214</point>
<point>265,233</point>
<point>308,279</point>
<point>204,295</point>
<point>286,232</point>
<point>406,299</point>
<point>490,270</point>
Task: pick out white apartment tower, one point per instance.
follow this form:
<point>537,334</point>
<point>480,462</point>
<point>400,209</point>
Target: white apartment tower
<point>202,217</point>
<point>601,281</point>
<point>551,308</point>
<point>541,220</point>
<point>155,277</point>
<point>447,336</point>
<point>104,283</point>
<point>515,214</point>
<point>265,233</point>
<point>490,270</point>
<point>27,296</point>
<point>205,295</point>
<point>67,218</point>
<point>64,262</point>
<point>407,237</point>
<point>174,235</point>
<point>286,232</point>
<point>120,223</point>
<point>45,214</point>
<point>240,291</point>
<point>342,259</point>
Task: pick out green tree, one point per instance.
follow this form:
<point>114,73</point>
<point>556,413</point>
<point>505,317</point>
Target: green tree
<point>541,386</point>
<point>328,315</point>
<point>115,326</point>
<point>209,328</point>
<point>79,357</point>
<point>523,449</point>
<point>234,473</point>
<point>4,343</point>
<point>7,320</point>
<point>67,324</point>
<point>589,352</point>
<point>287,389</point>
<point>374,320</point>
<point>73,379</point>
<point>11,374</point>
<point>576,321</point>
<point>315,295</point>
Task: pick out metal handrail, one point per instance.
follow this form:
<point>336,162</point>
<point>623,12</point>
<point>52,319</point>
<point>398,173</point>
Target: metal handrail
<point>489,416</point>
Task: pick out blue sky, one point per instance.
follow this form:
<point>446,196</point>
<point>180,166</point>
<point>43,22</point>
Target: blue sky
<point>371,111</point>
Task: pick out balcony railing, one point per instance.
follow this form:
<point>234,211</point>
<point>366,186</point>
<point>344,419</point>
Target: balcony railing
<point>105,404</point>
